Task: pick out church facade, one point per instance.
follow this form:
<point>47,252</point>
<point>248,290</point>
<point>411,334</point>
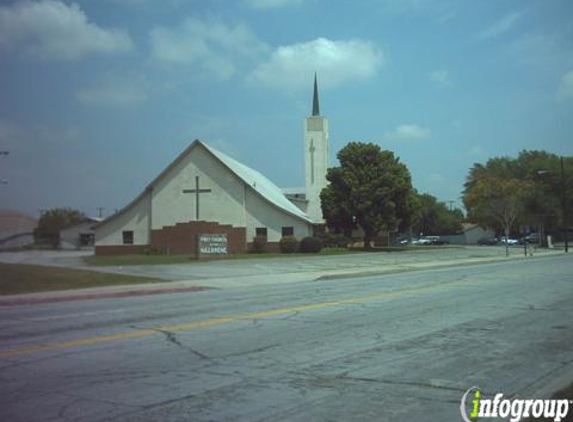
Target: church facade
<point>204,191</point>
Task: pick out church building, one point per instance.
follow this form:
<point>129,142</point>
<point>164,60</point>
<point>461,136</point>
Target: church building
<point>204,191</point>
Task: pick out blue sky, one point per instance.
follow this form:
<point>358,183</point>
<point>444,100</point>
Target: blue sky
<point>97,97</point>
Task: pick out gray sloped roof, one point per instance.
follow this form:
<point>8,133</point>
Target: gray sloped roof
<point>259,183</point>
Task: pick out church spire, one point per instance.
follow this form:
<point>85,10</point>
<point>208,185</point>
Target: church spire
<point>315,104</point>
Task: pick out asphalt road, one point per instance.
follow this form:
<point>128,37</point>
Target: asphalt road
<point>400,347</point>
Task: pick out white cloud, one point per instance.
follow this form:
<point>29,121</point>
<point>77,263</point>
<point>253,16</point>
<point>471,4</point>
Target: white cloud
<point>213,46</point>
<point>272,4</point>
<point>52,30</point>
<point>408,132</point>
<point>501,26</point>
<point>335,61</point>
<point>113,92</point>
<point>440,77</point>
<point>565,91</point>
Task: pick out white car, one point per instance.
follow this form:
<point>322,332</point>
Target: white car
<point>422,241</point>
<point>509,241</point>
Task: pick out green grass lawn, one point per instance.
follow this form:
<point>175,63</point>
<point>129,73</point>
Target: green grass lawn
<point>19,279</point>
<point>142,259</point>
<point>187,259</point>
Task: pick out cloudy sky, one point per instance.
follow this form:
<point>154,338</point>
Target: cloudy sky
<point>97,97</point>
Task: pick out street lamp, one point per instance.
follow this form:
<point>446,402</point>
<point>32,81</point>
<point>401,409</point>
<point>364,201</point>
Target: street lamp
<point>564,203</point>
<point>565,206</point>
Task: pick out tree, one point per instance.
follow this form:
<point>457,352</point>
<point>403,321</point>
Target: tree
<point>540,172</point>
<point>371,189</point>
<point>546,204</point>
<point>495,201</point>
<point>435,218</point>
<point>54,220</point>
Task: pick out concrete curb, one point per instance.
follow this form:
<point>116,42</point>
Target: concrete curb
<point>458,263</point>
<point>187,286</point>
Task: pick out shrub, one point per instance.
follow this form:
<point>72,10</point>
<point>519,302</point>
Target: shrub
<point>335,240</point>
<point>310,245</point>
<point>153,250</point>
<point>288,244</point>
<point>259,244</point>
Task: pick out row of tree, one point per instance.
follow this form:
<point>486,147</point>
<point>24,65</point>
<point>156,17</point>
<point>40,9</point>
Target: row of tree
<point>372,189</point>
<point>533,190</point>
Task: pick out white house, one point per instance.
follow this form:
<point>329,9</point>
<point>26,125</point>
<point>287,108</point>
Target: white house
<point>469,235</point>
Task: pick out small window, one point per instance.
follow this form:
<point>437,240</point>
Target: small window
<point>288,231</point>
<point>261,231</point>
<point>128,237</point>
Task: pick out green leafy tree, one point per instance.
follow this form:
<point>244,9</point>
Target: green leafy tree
<point>371,189</point>
<point>435,218</point>
<point>545,206</point>
<point>496,201</point>
<point>548,194</point>
<point>54,220</point>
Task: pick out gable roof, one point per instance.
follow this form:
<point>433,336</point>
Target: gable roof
<point>259,183</point>
<point>252,178</point>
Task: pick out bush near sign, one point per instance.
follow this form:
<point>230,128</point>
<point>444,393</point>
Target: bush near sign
<point>210,245</point>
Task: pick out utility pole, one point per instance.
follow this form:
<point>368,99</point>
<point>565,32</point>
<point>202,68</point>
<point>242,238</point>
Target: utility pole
<point>565,206</point>
<point>100,211</point>
<point>5,154</point>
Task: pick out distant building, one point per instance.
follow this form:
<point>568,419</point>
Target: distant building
<point>469,235</point>
<point>16,229</point>
<point>80,235</point>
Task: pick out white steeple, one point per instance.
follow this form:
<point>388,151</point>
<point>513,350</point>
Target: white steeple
<point>315,157</point>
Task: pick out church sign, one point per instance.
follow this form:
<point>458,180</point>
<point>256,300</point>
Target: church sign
<point>212,245</point>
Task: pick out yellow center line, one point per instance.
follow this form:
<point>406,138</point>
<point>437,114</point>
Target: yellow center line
<point>195,325</point>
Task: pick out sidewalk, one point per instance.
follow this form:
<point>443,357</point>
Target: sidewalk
<point>229,274</point>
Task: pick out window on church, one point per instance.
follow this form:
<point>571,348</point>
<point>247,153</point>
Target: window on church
<point>287,231</point>
<point>261,231</point>
<point>128,237</point>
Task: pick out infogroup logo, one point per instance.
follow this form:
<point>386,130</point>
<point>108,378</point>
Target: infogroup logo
<point>514,409</point>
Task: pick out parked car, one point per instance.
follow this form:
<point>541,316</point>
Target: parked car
<point>401,241</point>
<point>422,241</point>
<point>487,241</point>
<point>530,238</point>
<point>430,240</point>
<point>509,241</point>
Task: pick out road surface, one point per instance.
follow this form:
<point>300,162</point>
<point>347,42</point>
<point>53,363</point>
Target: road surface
<point>401,347</point>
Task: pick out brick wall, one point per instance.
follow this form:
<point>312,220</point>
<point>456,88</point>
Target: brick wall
<point>182,237</point>
<point>119,249</point>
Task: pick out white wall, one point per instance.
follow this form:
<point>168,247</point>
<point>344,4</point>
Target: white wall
<point>262,214</point>
<point>70,237</point>
<point>136,218</point>
<point>316,133</point>
<point>225,202</point>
